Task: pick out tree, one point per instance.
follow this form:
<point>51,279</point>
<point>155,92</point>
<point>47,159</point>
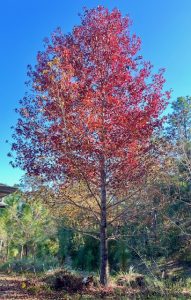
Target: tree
<point>90,115</point>
<point>180,119</point>
<point>179,131</point>
<point>26,224</point>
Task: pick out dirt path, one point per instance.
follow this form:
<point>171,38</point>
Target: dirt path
<point>11,288</point>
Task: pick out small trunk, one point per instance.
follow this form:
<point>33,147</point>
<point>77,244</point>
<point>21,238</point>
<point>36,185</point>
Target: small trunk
<point>26,250</point>
<point>104,256</point>
<point>154,225</point>
<point>1,245</point>
<point>103,233</point>
<point>7,251</point>
<point>34,251</point>
<point>22,250</point>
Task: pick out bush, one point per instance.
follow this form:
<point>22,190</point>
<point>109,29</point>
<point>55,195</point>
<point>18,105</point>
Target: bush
<point>64,279</point>
<point>131,280</point>
<point>29,265</point>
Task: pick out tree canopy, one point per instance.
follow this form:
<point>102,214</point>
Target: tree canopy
<point>90,115</point>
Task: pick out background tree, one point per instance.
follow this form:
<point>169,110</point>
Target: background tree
<point>90,115</point>
<point>178,133</point>
<point>26,225</point>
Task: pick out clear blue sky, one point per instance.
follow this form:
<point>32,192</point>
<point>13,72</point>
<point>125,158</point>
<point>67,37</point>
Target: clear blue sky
<point>163,25</point>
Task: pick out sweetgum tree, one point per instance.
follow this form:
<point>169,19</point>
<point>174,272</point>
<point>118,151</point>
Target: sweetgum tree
<point>92,109</point>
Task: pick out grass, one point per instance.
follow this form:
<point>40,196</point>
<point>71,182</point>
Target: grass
<point>122,286</point>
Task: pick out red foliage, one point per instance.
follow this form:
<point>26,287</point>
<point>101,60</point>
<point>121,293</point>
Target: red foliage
<point>92,98</point>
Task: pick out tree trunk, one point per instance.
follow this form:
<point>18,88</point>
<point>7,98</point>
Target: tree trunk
<point>26,250</point>
<point>22,250</point>
<point>103,233</point>
<point>7,250</point>
<point>1,245</point>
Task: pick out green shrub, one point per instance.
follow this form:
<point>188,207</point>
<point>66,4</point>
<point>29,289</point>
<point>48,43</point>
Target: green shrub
<point>29,265</point>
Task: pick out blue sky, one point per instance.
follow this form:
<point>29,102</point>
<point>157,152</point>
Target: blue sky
<point>163,25</point>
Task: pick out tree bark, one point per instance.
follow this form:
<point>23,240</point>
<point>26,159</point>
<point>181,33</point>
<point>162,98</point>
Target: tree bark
<point>7,250</point>
<point>22,250</point>
<point>26,250</point>
<point>103,233</point>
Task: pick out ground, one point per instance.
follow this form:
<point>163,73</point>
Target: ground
<point>11,288</point>
<point>19,287</point>
<point>14,287</point>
